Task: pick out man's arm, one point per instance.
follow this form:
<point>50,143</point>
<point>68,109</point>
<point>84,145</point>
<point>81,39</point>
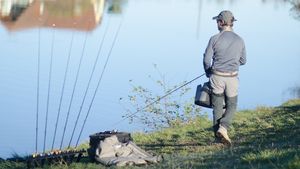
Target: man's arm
<point>207,57</point>
<point>243,58</point>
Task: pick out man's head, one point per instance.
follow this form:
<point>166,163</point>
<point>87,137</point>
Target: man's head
<point>224,19</point>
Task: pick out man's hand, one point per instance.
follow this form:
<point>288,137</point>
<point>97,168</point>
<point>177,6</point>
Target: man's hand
<point>208,72</point>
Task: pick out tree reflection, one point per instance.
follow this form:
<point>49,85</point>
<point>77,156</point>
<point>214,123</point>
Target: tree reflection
<point>296,9</point>
<point>295,91</point>
<point>116,6</point>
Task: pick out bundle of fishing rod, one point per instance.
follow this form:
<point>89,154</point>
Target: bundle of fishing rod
<point>56,156</point>
<point>70,155</point>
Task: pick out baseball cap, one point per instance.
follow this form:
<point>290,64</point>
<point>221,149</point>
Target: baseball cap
<point>226,16</point>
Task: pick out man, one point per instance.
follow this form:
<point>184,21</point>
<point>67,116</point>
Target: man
<point>223,56</point>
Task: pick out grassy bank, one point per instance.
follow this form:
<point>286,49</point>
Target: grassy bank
<point>262,138</point>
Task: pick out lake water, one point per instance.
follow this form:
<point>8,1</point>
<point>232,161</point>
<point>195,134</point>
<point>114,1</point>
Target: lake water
<point>171,34</point>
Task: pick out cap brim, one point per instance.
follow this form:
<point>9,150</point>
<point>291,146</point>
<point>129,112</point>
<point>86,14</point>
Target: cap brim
<point>216,17</point>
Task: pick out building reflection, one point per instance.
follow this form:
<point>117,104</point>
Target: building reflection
<point>82,15</point>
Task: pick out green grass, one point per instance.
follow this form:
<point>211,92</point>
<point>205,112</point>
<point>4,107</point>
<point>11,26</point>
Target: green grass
<point>267,137</point>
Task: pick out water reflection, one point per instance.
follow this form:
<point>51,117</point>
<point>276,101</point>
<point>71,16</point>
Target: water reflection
<point>68,14</point>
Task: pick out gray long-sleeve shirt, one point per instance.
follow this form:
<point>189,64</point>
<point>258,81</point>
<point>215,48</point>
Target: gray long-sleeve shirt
<point>225,52</point>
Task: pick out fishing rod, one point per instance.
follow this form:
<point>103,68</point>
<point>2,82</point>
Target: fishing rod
<point>38,91</point>
<point>63,89</point>
<point>157,100</point>
<point>90,79</point>
<point>99,81</point>
<point>74,87</point>
<point>49,88</point>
